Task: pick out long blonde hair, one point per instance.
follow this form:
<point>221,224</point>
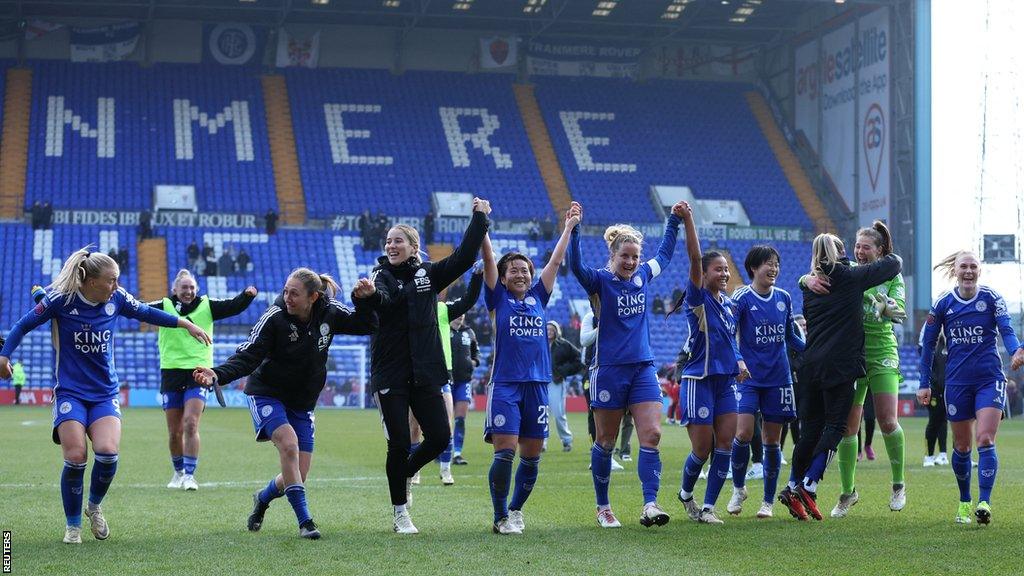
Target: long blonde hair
<point>79,267</point>
<point>948,264</point>
<point>413,238</point>
<point>826,251</point>
<point>618,234</point>
<point>314,282</point>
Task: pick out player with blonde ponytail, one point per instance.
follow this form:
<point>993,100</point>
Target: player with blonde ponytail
<point>84,302</point>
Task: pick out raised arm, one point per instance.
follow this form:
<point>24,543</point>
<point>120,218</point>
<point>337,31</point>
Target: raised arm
<point>550,271</point>
<point>668,241</point>
<point>692,246</point>
<point>445,271</point>
<point>358,322</point>
<point>490,265</point>
<point>460,306</point>
<point>585,275</point>
<point>233,307</point>
<point>251,353</point>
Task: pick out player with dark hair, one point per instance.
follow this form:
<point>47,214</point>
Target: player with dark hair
<point>767,331</point>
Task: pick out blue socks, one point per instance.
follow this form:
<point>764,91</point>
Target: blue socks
<point>446,456</point>
<point>71,480</point>
<point>190,463</point>
<point>740,460</point>
<point>178,462</point>
<point>772,466</point>
<point>296,494</point>
<point>601,471</point>
<point>271,492</point>
<point>691,471</point>
<point>649,469</point>
<point>499,478</point>
<point>988,465</point>
<point>716,477</point>
<point>816,471</point>
<point>104,468</point>
<point>526,477</point>
<point>961,465</point>
<point>459,436</point>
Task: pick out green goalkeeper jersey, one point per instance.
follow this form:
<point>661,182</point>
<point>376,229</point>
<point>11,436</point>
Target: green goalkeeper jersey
<point>879,340</point>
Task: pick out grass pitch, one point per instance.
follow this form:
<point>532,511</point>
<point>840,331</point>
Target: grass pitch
<point>155,530</point>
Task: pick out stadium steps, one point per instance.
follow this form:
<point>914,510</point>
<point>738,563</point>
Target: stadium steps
<point>543,150</point>
<point>14,149</point>
<point>437,251</point>
<point>290,195</point>
<point>790,164</point>
<point>153,284</point>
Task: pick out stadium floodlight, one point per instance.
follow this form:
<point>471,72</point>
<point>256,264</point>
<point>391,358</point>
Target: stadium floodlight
<point>392,3</point>
<point>321,2</point>
<point>600,12</point>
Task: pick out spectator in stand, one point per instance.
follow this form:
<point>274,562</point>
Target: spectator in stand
<point>270,220</point>
<point>243,261</point>
<point>547,228</point>
<point>146,224</point>
<point>37,215</point>
<point>677,295</point>
<point>47,221</point>
<point>428,227</point>
<point>365,224</point>
<point>226,262</point>
<point>192,253</point>
<point>123,258</point>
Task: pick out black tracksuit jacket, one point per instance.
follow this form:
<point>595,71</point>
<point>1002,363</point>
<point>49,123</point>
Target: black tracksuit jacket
<point>286,358</point>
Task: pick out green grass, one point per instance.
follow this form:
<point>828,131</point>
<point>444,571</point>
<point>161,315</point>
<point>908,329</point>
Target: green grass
<point>160,531</point>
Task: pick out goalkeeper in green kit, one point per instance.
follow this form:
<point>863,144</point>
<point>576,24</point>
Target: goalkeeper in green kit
<point>884,305</point>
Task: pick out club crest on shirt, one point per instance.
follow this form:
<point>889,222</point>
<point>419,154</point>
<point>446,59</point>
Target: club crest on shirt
<point>638,281</point>
<point>294,336</point>
<point>781,306</point>
<point>324,329</point>
<point>421,273</point>
<point>530,301</point>
<point>109,309</point>
<point>980,306</point>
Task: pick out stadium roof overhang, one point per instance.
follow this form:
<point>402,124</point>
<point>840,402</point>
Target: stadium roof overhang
<point>645,21</point>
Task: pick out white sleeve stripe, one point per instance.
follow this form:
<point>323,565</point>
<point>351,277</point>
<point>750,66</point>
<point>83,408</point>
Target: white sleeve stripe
<point>258,327</point>
<point>341,306</point>
<point>655,267</point>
